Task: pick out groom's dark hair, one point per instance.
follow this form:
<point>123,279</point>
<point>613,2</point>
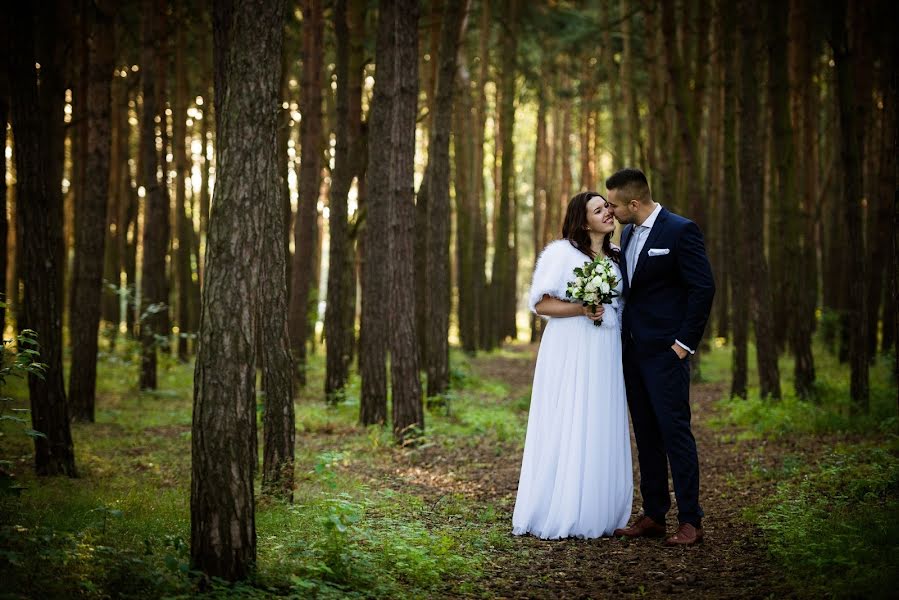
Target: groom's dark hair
<point>630,183</point>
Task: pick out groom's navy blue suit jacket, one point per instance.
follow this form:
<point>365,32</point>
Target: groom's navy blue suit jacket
<point>671,294</point>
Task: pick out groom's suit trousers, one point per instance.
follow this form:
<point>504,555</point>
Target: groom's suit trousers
<point>658,395</point>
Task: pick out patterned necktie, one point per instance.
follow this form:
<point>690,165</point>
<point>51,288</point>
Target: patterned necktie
<point>632,251</point>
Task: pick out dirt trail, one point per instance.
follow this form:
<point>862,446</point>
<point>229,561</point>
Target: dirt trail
<point>730,564</point>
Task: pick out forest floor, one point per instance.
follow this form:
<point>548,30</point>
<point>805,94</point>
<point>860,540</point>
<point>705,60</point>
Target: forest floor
<point>800,499</point>
<point>731,563</point>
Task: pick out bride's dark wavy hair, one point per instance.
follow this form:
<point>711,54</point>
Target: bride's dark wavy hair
<point>574,229</point>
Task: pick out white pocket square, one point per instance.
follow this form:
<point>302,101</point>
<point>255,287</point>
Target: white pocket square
<point>658,251</point>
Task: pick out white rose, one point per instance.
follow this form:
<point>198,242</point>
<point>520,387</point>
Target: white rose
<point>604,287</point>
<point>591,286</point>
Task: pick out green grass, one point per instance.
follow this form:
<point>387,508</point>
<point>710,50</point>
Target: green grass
<point>833,525</point>
<point>835,528</point>
<point>829,410</point>
<point>123,527</point>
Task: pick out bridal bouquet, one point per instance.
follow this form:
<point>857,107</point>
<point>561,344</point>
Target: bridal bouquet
<point>594,284</point>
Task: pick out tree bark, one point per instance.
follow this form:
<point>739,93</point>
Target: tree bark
<point>750,191</point>
<point>806,284</point>
<point>501,284</point>
<point>39,229</point>
<point>373,335</point>
<point>90,217</point>
<point>303,282</point>
<point>846,61</point>
<point>339,252</point>
<point>479,249</point>
<point>183,227</point>
<point>438,267</point>
<point>154,293</point>
<point>394,109</point>
<point>735,257</point>
<point>247,48</point>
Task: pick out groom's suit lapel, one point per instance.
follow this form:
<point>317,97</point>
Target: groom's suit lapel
<point>654,234</point>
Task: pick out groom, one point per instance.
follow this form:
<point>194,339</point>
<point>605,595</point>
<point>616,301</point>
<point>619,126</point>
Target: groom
<point>668,291</point>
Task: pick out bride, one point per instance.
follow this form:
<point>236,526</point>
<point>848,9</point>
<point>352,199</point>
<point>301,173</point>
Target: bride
<point>576,478</point>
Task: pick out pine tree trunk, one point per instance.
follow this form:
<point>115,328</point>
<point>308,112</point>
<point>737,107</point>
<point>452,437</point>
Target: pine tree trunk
<point>806,275</point>
<point>339,257</point>
<point>4,219</point>
<point>438,267</point>
<point>466,208</point>
<point>39,229</point>
<point>540,197</point>
<point>183,227</point>
<point>90,218</point>
<point>247,47</point>
<point>479,250</point>
<point>375,289</point>
<point>154,295</point>
<point>846,61</point>
<point>503,301</point>
<point>735,257</point>
<point>398,47</point>
<point>750,191</point>
<point>279,423</point>
<point>306,226</point>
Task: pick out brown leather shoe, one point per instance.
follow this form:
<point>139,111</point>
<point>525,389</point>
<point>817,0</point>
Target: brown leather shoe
<point>644,527</point>
<point>686,535</point>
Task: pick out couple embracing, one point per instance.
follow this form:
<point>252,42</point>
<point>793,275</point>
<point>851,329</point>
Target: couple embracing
<point>576,474</point>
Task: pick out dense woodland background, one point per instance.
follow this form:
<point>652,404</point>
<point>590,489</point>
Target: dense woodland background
<point>362,186</point>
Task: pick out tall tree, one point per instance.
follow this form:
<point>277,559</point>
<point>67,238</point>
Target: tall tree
<point>181,261</point>
<point>39,229</point>
<point>734,257</point>
<point>804,149</point>
<point>154,285</point>
<point>90,215</point>
<point>303,280</point>
<point>341,267</point>
<point>500,281</point>
<point>374,332</point>
<point>846,59</point>
<point>394,109</point>
<point>247,51</point>
<point>750,193</point>
<point>4,208</point>
<point>438,287</point>
<point>479,246</point>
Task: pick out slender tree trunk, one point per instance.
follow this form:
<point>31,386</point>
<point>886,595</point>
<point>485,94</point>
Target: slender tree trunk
<point>735,257</point>
<point>405,387</point>
<point>846,63</point>
<point>247,47</point>
<point>374,331</point>
<point>750,192</point>
<point>183,227</point>
<point>306,226</point>
<point>438,267</point>
<point>279,423</point>
<point>540,197</point>
<point>339,257</point>
<point>479,249</point>
<point>4,204</point>
<point>154,295</point>
<point>39,229</point>
<point>90,218</point>
<point>806,275</point>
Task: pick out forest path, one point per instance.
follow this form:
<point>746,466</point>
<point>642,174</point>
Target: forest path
<point>731,563</point>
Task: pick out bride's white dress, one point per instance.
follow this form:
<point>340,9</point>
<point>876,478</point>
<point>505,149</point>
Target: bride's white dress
<point>576,478</point>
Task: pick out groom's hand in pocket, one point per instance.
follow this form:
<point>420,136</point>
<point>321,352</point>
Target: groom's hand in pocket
<point>681,353</point>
